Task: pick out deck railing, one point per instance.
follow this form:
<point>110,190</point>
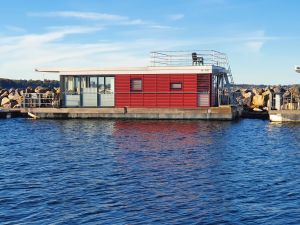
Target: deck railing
<point>280,102</point>
<point>184,58</point>
<point>39,100</point>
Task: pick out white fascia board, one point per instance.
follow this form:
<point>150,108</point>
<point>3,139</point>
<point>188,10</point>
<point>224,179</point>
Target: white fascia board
<point>137,70</point>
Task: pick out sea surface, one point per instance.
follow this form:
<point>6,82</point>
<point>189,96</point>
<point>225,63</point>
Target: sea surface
<point>149,172</point>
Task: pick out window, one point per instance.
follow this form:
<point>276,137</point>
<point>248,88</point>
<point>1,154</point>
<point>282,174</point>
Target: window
<point>93,82</point>
<point>136,84</point>
<point>101,85</point>
<point>176,86</point>
<point>109,85</point>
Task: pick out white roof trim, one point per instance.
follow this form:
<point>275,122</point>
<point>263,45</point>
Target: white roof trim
<point>137,70</point>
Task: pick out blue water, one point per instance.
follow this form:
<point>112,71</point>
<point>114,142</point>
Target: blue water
<point>149,172</point>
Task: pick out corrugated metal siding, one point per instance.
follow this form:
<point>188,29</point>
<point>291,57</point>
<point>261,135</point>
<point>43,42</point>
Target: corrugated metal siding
<point>122,90</point>
<point>156,91</point>
<point>190,87</point>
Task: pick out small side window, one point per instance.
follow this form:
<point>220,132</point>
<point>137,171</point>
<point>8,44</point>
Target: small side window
<point>176,86</point>
<point>136,84</point>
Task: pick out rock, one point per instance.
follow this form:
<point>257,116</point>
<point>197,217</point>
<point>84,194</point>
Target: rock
<point>257,91</point>
<point>295,91</point>
<point>29,90</point>
<point>257,110</point>
<point>48,94</point>
<point>278,90</point>
<point>40,89</point>
<point>4,93</point>
<point>5,101</point>
<point>257,101</point>
<point>287,94</point>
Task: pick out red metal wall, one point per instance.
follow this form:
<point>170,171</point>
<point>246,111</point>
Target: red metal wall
<point>157,92</point>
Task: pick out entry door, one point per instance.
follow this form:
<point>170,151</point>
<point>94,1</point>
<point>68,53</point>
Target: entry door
<point>203,88</point>
<point>89,93</point>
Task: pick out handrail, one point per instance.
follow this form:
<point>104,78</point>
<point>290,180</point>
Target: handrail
<point>184,58</point>
<point>40,100</point>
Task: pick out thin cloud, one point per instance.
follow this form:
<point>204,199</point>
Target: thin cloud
<point>9,44</point>
<point>50,49</point>
<point>254,46</point>
<point>176,17</point>
<point>80,15</point>
<point>92,16</point>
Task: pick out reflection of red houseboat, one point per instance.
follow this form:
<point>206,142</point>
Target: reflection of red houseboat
<point>175,80</point>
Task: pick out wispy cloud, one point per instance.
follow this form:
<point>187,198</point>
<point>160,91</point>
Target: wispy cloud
<point>106,18</point>
<point>51,49</point>
<point>10,44</point>
<point>91,16</point>
<point>254,46</point>
<point>176,17</point>
<point>80,15</point>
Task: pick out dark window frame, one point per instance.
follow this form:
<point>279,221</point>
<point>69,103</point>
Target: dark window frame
<point>131,84</point>
<point>176,82</point>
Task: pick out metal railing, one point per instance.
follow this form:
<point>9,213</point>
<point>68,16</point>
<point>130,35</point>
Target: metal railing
<point>281,102</point>
<point>290,103</point>
<point>184,58</point>
<point>39,100</point>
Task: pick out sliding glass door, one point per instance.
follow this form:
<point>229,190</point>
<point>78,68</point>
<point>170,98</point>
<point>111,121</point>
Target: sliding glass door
<point>89,93</point>
<point>106,90</point>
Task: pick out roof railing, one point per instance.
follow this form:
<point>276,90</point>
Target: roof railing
<point>187,58</point>
<point>184,58</point>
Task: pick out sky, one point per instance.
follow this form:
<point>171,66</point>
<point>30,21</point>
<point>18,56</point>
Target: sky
<point>260,37</point>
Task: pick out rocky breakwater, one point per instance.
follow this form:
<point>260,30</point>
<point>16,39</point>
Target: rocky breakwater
<point>14,98</point>
<point>258,101</point>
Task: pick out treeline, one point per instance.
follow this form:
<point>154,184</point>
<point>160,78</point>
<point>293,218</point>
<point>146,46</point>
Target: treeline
<point>22,84</point>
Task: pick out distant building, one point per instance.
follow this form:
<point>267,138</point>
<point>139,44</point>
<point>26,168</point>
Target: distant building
<point>297,69</point>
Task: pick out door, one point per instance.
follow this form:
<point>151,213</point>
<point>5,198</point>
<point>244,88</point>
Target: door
<point>106,90</point>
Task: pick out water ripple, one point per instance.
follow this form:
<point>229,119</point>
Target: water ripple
<point>149,172</point>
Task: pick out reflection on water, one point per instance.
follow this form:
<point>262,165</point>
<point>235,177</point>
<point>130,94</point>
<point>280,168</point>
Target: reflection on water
<point>149,172</point>
<point>165,135</point>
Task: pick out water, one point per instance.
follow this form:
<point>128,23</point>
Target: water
<point>149,172</point>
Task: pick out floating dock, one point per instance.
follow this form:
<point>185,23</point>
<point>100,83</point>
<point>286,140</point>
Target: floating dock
<point>284,115</point>
<point>10,113</point>
<point>211,113</point>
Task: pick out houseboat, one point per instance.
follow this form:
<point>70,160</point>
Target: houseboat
<point>176,85</point>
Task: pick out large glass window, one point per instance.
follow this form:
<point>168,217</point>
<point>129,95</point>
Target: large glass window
<point>89,91</point>
<point>77,85</point>
<point>83,82</point>
<point>72,91</point>
<point>101,85</point>
<point>93,82</point>
<point>109,85</point>
<point>72,85</point>
<point>69,84</point>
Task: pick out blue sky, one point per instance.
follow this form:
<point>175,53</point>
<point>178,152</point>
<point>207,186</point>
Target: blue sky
<point>261,37</point>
